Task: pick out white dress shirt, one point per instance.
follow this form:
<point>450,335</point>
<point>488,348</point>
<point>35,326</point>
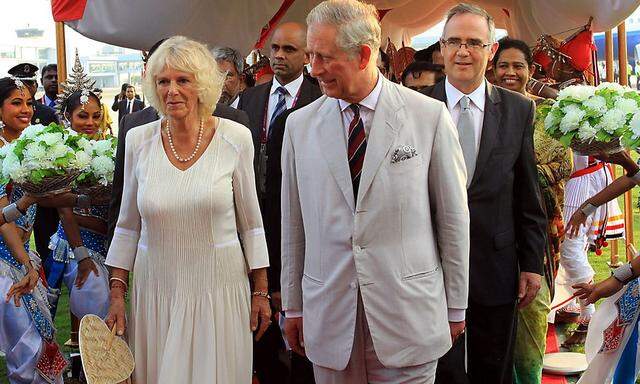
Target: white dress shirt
<point>47,101</point>
<point>367,111</point>
<point>235,102</point>
<point>476,105</point>
<point>289,98</point>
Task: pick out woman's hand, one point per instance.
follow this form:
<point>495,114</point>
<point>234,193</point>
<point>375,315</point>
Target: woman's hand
<point>58,200</point>
<point>116,313</point>
<point>575,222</point>
<point>24,286</point>
<point>594,292</point>
<point>260,312</point>
<point>85,267</point>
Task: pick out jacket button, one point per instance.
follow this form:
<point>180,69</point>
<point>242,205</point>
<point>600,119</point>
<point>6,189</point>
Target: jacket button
<point>357,249</point>
<point>353,285</point>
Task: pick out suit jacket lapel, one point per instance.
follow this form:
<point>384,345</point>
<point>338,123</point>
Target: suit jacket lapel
<point>262,104</point>
<point>330,133</point>
<point>490,128</point>
<point>307,94</point>
<point>384,129</point>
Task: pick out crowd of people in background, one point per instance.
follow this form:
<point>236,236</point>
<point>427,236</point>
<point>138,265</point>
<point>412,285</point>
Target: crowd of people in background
<point>309,221</point>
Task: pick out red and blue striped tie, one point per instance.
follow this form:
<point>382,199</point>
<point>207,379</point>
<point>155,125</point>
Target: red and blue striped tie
<point>356,148</point>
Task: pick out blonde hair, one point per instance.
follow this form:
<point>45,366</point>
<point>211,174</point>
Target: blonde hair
<point>185,55</point>
<point>356,22</point>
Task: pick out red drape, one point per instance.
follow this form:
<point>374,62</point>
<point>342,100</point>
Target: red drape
<point>266,30</point>
<point>68,10</point>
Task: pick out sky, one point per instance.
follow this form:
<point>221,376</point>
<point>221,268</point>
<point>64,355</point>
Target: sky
<point>14,16</point>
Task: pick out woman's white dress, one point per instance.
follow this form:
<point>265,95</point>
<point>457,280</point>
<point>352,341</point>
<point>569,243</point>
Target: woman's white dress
<point>178,233</point>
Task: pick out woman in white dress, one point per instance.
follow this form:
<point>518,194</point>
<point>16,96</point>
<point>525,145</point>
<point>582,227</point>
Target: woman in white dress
<point>189,191</point>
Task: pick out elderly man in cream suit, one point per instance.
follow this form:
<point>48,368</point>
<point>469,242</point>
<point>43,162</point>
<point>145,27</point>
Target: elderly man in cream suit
<point>375,224</point>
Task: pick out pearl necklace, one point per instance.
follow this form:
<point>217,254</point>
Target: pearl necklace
<point>173,149</point>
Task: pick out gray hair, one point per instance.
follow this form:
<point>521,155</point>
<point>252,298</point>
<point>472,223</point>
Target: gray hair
<point>231,55</point>
<point>475,10</point>
<point>356,22</point>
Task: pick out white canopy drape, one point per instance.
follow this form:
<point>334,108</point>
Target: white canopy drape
<point>237,23</point>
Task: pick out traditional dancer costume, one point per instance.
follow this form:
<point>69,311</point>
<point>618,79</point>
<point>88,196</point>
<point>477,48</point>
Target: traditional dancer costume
<point>61,266</point>
<point>93,297</point>
<point>588,178</point>
<point>27,334</point>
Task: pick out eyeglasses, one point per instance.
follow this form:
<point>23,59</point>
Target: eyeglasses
<point>470,45</point>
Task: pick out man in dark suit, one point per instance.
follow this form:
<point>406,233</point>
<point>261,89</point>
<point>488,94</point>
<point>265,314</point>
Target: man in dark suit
<point>266,104</point>
<point>46,222</point>
<point>128,104</point>
<point>495,128</point>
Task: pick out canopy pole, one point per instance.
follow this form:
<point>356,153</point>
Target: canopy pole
<point>624,80</point>
<point>61,53</point>
<point>608,53</point>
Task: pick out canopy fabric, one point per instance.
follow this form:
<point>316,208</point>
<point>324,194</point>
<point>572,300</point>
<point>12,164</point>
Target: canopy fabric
<point>238,23</point>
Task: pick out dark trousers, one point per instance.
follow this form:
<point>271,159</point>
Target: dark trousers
<point>490,337</point>
<point>268,355</point>
<point>44,227</point>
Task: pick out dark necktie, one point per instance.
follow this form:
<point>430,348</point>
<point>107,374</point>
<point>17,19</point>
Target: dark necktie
<point>281,106</point>
<point>129,106</point>
<point>52,103</point>
<point>357,146</point>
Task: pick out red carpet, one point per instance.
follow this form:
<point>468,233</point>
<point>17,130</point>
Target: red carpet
<point>552,346</point>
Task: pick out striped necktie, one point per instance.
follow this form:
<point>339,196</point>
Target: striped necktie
<point>281,106</point>
<point>357,147</point>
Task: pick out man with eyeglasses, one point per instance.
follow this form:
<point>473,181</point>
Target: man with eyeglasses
<point>420,74</point>
<point>230,62</point>
<point>495,129</point>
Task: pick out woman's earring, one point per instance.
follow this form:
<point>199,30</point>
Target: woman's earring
<point>1,124</point>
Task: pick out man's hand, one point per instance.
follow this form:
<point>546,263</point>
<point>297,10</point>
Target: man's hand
<point>276,302</point>
<point>528,288</point>
<point>295,337</point>
<point>457,329</point>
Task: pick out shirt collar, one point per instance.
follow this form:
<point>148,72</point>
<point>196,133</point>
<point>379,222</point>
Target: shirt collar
<point>454,95</point>
<point>292,87</point>
<point>368,102</point>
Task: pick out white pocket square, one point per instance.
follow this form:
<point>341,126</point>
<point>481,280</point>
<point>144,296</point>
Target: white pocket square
<point>403,153</point>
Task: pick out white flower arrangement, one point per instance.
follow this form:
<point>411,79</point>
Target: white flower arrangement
<point>606,113</point>
<point>96,159</point>
<point>38,153</point>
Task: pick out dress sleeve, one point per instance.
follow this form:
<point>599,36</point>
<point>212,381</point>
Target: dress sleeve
<point>248,217</point>
<point>123,248</point>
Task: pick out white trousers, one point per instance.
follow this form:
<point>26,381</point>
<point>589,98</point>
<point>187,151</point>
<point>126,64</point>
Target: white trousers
<point>365,368</point>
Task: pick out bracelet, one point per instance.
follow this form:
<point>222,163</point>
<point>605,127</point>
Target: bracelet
<point>588,209</point>
<point>126,286</point>
<point>80,253</point>
<point>261,294</point>
<point>83,201</point>
<point>623,273</point>
<point>11,213</point>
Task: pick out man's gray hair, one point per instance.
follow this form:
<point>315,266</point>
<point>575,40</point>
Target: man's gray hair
<point>356,22</point>
<point>231,55</point>
<point>475,10</point>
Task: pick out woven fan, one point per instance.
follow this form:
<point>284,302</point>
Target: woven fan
<point>106,358</point>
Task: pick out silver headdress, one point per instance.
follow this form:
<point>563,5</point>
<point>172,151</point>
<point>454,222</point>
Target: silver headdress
<point>77,81</point>
<point>19,84</point>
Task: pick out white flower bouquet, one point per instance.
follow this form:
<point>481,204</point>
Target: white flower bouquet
<point>594,119</point>
<point>42,160</point>
<point>96,159</point>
